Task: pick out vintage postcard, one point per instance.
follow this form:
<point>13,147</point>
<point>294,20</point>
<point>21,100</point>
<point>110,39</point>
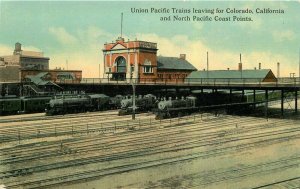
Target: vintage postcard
<point>149,94</point>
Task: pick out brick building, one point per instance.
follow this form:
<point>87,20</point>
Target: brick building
<point>10,65</point>
<point>19,65</point>
<point>139,60</point>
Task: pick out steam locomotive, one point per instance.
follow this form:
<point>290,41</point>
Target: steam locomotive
<point>176,108</point>
<point>81,103</point>
<point>142,104</point>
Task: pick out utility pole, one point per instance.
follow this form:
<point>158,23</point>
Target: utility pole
<point>133,100</point>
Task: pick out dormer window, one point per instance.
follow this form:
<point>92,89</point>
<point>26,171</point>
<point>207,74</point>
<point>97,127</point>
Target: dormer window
<point>148,68</point>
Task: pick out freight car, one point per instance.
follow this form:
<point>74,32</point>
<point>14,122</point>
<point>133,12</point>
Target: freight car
<point>176,108</point>
<point>142,104</point>
<point>76,104</point>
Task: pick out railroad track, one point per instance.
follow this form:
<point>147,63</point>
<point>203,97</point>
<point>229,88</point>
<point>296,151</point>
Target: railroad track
<point>62,127</point>
<point>158,148</point>
<point>195,122</point>
<point>292,183</point>
<point>72,143</point>
<point>44,117</point>
<point>91,174</point>
<point>201,180</point>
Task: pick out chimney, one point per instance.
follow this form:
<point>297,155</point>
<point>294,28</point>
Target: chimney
<point>227,68</point>
<point>254,68</point>
<point>182,56</point>
<point>278,69</point>
<point>240,67</point>
<point>259,66</point>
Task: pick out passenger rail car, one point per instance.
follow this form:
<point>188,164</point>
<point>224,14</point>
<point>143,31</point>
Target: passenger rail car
<point>14,105</point>
<point>10,105</point>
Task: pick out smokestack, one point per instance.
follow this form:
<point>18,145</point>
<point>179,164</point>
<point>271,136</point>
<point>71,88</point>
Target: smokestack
<point>18,48</point>
<point>259,66</point>
<point>240,58</point>
<point>278,69</point>
<point>240,67</point>
<point>207,61</point>
<point>182,56</point>
<point>207,74</point>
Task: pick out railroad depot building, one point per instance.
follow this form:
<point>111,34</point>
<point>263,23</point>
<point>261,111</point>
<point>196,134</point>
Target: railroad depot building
<point>139,60</point>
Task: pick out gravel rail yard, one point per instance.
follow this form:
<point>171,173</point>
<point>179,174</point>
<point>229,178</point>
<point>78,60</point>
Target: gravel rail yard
<point>103,150</point>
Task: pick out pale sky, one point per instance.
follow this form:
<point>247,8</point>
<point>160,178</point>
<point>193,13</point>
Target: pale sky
<point>76,31</point>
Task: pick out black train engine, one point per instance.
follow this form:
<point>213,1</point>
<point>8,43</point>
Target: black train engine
<point>76,104</point>
<point>142,104</point>
<point>176,108</point>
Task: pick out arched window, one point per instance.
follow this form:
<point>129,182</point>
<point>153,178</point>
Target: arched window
<point>121,64</point>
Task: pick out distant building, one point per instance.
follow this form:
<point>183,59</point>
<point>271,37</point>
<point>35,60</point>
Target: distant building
<point>259,75</point>
<point>27,59</point>
<point>25,65</point>
<point>11,65</point>
<point>56,75</point>
<point>139,60</point>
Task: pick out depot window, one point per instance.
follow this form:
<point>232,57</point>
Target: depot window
<point>148,69</point>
